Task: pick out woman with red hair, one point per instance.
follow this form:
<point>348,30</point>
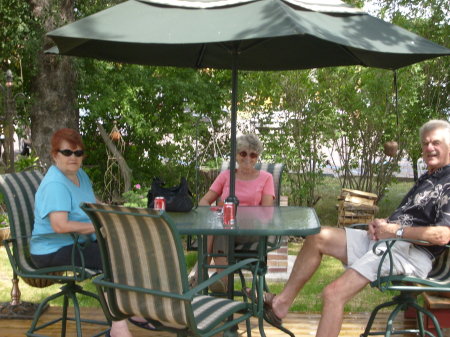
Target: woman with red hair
<point>57,212</point>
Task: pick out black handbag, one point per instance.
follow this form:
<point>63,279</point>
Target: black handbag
<point>178,198</point>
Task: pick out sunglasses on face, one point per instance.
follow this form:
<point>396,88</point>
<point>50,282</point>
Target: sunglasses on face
<point>252,155</point>
<point>68,153</point>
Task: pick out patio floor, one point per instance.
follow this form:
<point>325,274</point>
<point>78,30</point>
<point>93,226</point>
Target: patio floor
<point>300,324</point>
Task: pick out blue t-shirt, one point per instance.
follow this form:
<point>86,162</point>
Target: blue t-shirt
<point>58,193</point>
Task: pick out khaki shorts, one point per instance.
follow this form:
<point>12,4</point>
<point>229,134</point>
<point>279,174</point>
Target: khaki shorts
<point>409,260</point>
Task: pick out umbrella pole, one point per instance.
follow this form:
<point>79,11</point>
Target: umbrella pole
<point>234,78</point>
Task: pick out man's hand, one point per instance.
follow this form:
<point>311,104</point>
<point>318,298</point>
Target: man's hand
<point>381,229</point>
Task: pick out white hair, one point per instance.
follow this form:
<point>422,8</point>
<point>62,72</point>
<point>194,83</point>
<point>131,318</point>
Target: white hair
<point>433,125</point>
<point>250,142</point>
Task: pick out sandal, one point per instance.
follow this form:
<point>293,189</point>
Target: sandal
<point>193,281</point>
<point>144,325</point>
<point>219,286</point>
<point>269,315</point>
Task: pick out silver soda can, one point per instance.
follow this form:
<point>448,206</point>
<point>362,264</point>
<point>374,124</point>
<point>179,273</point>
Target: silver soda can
<point>159,204</point>
<point>228,214</point>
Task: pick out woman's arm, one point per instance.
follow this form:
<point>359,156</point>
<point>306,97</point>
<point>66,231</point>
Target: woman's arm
<point>61,224</point>
<point>208,198</point>
<point>267,200</point>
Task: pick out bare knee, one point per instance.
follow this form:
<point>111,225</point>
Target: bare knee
<point>344,288</point>
<point>331,294</point>
<point>326,238</point>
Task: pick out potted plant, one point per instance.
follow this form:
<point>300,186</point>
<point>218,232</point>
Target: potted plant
<point>4,227</point>
<point>4,223</point>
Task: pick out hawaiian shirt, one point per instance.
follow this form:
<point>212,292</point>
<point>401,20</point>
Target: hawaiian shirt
<point>427,204</point>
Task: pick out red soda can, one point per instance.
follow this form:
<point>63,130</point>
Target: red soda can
<point>159,204</point>
<point>228,214</point>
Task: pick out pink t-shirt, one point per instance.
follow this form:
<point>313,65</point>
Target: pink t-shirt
<point>249,192</point>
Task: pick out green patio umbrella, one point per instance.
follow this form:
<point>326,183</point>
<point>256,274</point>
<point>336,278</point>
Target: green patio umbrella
<point>242,34</point>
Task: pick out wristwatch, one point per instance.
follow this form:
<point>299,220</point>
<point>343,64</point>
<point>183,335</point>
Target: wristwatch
<point>399,232</point>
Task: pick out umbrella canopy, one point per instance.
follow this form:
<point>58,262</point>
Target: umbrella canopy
<point>242,34</point>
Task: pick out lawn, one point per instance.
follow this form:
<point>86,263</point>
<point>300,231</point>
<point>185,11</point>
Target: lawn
<point>307,301</point>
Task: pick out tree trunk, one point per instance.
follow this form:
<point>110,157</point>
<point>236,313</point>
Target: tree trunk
<point>54,103</point>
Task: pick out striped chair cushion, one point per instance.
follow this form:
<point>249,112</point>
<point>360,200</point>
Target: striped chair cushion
<point>18,190</point>
<point>210,311</point>
<point>147,242</point>
<point>441,269</point>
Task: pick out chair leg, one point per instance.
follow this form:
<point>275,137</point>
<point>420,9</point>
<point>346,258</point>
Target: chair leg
<point>76,309</point>
<point>249,328</point>
<point>39,312</point>
<point>64,315</point>
<point>69,291</point>
<point>422,310</point>
<point>373,316</point>
<point>391,318</point>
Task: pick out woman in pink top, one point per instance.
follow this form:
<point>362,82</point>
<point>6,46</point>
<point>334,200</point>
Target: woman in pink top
<point>253,188</point>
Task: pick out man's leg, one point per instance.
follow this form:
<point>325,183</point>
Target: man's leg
<point>330,241</point>
<point>335,295</point>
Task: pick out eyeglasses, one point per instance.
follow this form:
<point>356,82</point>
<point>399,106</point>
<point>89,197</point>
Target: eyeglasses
<point>252,155</point>
<point>68,153</point>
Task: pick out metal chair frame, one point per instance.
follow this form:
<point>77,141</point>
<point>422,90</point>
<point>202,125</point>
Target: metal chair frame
<point>410,287</point>
<point>134,291</point>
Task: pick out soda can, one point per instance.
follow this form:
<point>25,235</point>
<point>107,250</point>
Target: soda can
<point>228,214</point>
<point>159,204</point>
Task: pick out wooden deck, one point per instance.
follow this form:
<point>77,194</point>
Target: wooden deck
<point>300,324</point>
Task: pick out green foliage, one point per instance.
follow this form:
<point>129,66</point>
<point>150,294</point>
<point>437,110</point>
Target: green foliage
<point>300,115</point>
<point>18,34</point>
<point>137,197</point>
<point>25,162</point>
<point>155,110</point>
<point>4,221</point>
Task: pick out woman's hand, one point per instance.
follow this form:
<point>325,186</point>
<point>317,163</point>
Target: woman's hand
<point>61,224</point>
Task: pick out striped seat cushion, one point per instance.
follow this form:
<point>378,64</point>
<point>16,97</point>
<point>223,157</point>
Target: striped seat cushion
<point>440,272</point>
<point>209,311</point>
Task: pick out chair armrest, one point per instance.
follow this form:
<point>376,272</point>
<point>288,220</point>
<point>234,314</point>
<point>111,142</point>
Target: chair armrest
<point>386,252</point>
<point>229,270</point>
<point>359,226</point>
<point>99,281</point>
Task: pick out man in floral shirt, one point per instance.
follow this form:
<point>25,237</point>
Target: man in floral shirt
<point>424,214</point>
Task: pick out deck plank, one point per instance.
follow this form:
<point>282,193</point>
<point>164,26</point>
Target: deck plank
<point>301,324</point>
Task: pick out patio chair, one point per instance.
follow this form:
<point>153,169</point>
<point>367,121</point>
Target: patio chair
<point>438,280</point>
<point>145,275</point>
<point>18,191</point>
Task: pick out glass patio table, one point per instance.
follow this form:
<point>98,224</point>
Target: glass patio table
<point>258,221</point>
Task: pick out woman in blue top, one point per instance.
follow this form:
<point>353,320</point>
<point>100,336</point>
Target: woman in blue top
<point>57,213</point>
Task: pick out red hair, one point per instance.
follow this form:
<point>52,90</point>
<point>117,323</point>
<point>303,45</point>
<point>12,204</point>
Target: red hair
<point>69,135</point>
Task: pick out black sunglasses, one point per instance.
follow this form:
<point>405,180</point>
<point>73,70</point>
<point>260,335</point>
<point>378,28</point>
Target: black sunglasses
<point>68,153</point>
<point>252,155</point>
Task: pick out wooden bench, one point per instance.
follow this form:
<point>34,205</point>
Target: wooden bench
<point>440,307</point>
